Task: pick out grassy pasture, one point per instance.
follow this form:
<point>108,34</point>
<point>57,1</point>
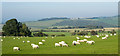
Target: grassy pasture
<point>108,46</point>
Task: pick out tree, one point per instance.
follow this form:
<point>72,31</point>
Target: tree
<point>40,34</point>
<point>93,33</point>
<point>14,28</point>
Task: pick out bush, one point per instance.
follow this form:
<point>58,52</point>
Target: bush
<point>40,34</point>
<point>73,33</point>
<point>82,33</point>
<point>93,33</point>
<point>61,35</point>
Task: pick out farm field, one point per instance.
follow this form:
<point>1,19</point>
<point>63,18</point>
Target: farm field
<point>108,46</point>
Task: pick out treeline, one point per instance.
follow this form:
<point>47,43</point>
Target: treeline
<point>74,27</point>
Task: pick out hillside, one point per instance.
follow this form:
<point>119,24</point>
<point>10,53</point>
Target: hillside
<point>98,21</point>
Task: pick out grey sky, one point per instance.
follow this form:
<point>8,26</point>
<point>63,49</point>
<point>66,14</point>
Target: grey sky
<point>28,11</point>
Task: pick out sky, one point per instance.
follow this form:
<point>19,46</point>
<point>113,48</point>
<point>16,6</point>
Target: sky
<point>60,0</point>
<point>32,11</point>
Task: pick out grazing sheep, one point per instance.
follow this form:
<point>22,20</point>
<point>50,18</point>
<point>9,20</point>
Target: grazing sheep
<point>32,44</point>
<point>90,42</point>
<point>110,34</point>
<point>13,38</point>
<point>104,37</point>
<point>16,48</point>
<point>46,37</point>
<point>62,42</point>
<point>1,39</point>
<point>77,37</point>
<point>80,40</point>
<point>115,34</point>
<point>85,39</point>
<point>98,36</point>
<point>18,38</point>
<point>87,36</point>
<point>75,42</point>
<point>35,46</point>
<point>65,45</point>
<point>52,37</point>
<point>28,41</point>
<point>57,44</point>
<point>23,41</point>
<point>43,40</point>
<point>40,43</point>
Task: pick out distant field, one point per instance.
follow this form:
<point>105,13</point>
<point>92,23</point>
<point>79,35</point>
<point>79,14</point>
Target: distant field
<point>108,46</point>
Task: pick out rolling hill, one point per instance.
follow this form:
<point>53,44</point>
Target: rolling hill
<point>96,21</point>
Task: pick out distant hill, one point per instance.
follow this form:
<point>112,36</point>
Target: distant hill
<point>95,21</point>
<point>53,18</point>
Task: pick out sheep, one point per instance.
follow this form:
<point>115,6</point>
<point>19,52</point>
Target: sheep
<point>65,45</point>
<point>57,44</point>
<point>98,36</point>
<point>110,34</point>
<point>80,40</point>
<point>75,42</point>
<point>104,37</point>
<point>87,36</point>
<point>32,44</point>
<point>16,48</point>
<point>46,37</point>
<point>28,41</point>
<point>115,34</point>
<point>52,37</point>
<point>35,46</point>
<point>43,40</point>
<point>40,43</point>
<point>18,38</point>
<point>61,42</point>
<point>1,39</point>
<point>90,42</point>
<point>85,39</point>
<point>23,41</point>
<point>13,38</point>
<point>77,37</point>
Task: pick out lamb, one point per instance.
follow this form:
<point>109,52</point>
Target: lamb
<point>40,43</point>
<point>43,40</point>
<point>57,44</point>
<point>16,48</point>
<point>35,46</point>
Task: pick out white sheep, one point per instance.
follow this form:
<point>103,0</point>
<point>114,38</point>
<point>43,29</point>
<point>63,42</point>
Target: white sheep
<point>104,37</point>
<point>57,44</point>
<point>65,45</point>
<point>43,40</point>
<point>23,41</point>
<point>40,43</point>
<point>90,42</point>
<point>18,38</point>
<point>77,37</point>
<point>35,46</point>
<point>80,40</point>
<point>75,42</point>
<point>115,34</point>
<point>52,37</point>
<point>62,42</point>
<point>85,39</point>
<point>46,37</point>
<point>28,41</point>
<point>13,38</point>
<point>110,34</point>
<point>32,44</point>
<point>1,39</point>
<point>98,36</point>
<point>16,48</point>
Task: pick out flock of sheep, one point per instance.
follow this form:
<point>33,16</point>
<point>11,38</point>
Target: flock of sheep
<point>63,43</point>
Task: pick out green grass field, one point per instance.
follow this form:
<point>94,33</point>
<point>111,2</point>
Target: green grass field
<point>108,46</point>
